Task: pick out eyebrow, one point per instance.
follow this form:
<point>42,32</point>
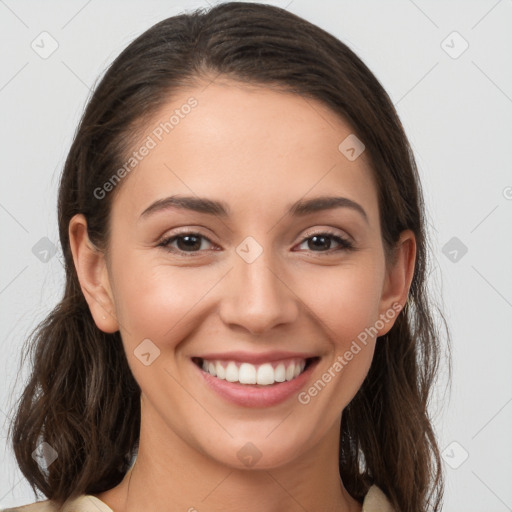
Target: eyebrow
<point>220,208</point>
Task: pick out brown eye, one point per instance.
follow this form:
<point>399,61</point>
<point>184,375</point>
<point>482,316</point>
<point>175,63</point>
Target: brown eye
<point>324,242</point>
<point>185,243</point>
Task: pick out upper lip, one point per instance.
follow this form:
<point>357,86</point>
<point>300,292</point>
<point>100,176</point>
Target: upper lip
<point>255,358</point>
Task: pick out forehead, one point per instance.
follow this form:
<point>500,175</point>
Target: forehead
<point>246,143</point>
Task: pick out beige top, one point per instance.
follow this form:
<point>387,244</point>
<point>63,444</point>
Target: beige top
<point>374,501</point>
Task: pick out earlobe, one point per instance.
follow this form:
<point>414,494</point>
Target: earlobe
<point>399,275</point>
<point>93,276</point>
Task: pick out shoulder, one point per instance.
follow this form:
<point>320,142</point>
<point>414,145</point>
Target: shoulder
<point>40,506</point>
<point>376,501</point>
<point>83,503</point>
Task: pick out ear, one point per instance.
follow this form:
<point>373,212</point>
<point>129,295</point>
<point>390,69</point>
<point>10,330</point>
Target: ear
<point>399,274</point>
<point>91,268</point>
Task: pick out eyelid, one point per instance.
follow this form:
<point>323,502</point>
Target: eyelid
<point>182,231</point>
<point>328,231</point>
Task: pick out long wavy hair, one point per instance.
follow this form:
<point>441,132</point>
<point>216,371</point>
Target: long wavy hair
<point>81,397</point>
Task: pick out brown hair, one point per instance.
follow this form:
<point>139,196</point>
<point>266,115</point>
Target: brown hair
<point>82,398</point>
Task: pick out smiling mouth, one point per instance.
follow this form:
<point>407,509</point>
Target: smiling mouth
<point>266,374</point>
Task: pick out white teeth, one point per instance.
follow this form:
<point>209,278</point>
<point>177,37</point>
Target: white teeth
<point>232,372</point>
<point>247,373</point>
<point>211,369</point>
<point>220,370</point>
<point>265,375</point>
<point>280,373</point>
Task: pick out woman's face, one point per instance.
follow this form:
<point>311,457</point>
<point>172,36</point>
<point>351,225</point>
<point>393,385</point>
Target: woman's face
<point>250,276</point>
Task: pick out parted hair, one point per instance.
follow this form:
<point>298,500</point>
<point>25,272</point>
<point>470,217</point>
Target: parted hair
<point>81,397</point>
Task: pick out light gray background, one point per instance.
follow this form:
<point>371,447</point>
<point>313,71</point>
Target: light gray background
<point>457,113</point>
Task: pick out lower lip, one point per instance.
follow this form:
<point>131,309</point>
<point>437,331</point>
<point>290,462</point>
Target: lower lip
<point>249,395</point>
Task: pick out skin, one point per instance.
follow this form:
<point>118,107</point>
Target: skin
<point>258,150</point>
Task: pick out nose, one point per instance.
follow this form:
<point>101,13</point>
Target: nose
<point>257,297</point>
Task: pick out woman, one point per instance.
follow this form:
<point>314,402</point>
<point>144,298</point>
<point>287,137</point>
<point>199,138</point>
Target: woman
<point>245,320</point>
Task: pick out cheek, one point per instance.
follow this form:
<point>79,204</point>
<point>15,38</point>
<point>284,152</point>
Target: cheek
<point>346,304</point>
<point>344,300</point>
<point>157,301</point>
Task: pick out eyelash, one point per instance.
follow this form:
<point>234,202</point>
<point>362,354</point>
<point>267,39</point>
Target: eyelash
<point>345,244</point>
